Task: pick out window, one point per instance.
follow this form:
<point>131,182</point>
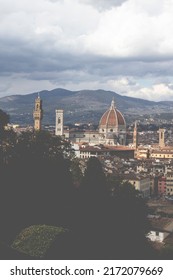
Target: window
<point>157,233</point>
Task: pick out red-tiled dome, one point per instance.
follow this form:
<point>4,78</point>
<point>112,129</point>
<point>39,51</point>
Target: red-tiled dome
<point>112,118</point>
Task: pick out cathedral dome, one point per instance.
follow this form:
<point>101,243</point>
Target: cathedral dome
<point>112,118</point>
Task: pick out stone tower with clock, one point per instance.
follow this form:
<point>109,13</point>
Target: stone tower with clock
<point>38,113</point>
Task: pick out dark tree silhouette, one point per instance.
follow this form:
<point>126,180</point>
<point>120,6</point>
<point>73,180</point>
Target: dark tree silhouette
<point>76,171</point>
<point>109,224</point>
<point>36,182</point>
<point>94,181</point>
<point>4,119</point>
<point>37,188</point>
<point>130,224</point>
<point>90,214</point>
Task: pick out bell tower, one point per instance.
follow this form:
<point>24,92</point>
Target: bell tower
<point>161,137</point>
<point>38,113</point>
<point>135,136</point>
<point>59,130</point>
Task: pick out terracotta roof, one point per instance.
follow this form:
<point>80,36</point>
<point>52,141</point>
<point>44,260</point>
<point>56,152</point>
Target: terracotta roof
<point>160,223</point>
<point>105,148</point>
<point>120,148</point>
<point>135,177</point>
<point>162,152</point>
<point>112,117</point>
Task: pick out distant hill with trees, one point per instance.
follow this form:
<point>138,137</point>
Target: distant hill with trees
<point>79,106</point>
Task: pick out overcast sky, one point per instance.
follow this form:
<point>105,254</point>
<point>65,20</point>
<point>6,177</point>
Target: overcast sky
<point>121,45</point>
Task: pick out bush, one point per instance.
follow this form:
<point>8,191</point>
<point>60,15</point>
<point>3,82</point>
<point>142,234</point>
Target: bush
<point>37,239</point>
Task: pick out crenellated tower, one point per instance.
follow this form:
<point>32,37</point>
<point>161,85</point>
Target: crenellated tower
<point>38,113</point>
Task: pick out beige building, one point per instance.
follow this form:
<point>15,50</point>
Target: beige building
<point>87,136</point>
<point>142,153</point>
<point>154,152</point>
<point>166,153</point>
<point>140,183</point>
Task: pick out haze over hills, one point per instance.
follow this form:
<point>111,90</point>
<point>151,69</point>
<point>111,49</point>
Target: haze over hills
<point>79,106</point>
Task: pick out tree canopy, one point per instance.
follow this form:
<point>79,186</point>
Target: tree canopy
<point>38,186</point>
<point>4,119</point>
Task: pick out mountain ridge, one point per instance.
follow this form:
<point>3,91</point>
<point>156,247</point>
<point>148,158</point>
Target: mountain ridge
<point>82,105</point>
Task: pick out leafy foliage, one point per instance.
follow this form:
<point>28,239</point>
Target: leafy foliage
<point>76,171</point>
<point>36,240</point>
<point>4,119</point>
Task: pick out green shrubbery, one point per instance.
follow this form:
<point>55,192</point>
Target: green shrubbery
<point>37,239</point>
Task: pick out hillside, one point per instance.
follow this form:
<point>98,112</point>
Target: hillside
<point>79,106</point>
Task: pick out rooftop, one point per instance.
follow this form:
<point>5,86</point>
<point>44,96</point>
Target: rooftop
<point>160,223</point>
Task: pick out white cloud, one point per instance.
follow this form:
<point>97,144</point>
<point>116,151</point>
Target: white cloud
<point>130,86</point>
<point>106,44</point>
<point>135,29</point>
<point>159,92</point>
<point>123,85</point>
<point>104,4</point>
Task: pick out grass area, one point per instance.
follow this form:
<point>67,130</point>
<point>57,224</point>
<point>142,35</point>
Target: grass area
<point>37,239</point>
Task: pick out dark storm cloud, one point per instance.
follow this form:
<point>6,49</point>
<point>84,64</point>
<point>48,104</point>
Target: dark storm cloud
<point>17,56</point>
<point>85,43</point>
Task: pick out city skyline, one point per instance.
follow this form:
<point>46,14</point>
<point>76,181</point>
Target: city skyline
<point>121,45</point>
